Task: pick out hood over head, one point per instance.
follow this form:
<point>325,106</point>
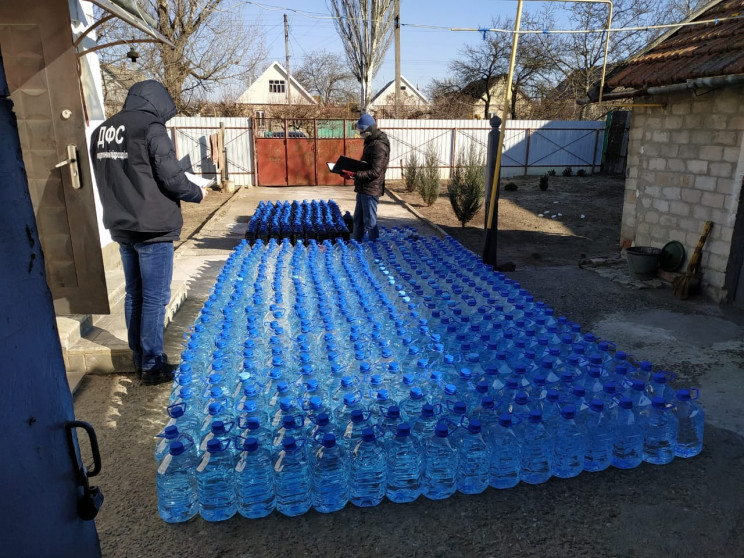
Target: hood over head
<point>151,96</point>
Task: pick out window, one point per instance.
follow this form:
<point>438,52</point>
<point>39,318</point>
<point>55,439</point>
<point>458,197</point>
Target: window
<point>276,86</point>
<point>402,87</point>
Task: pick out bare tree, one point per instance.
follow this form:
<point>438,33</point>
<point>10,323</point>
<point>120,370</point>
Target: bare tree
<point>366,29</point>
<point>212,47</point>
<point>324,74</point>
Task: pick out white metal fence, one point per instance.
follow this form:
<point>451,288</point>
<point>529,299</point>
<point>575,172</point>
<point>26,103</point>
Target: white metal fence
<point>530,146</point>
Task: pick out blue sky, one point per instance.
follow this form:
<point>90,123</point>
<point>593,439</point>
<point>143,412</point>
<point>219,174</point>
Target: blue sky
<point>425,53</point>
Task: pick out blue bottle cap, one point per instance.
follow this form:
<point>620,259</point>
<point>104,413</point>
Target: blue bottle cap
<point>171,431</point>
<point>660,377</point>
<point>176,448</point>
<point>459,408</point>
<point>427,410</point>
<point>285,403</point>
<point>357,415</point>
<point>465,373</point>
<point>658,403</point>
<point>382,396</point>
<point>552,395</point>
<point>682,395</point>
<point>289,422</point>
<point>329,440</point>
<point>450,389</point>
<point>505,420</point>
<point>404,429</point>
<point>393,412</point>
<point>214,445</point>
<point>289,443</point>
<point>626,403</point>
<point>214,408</point>
<point>252,423</point>
<point>441,430</point>
<point>416,393</point>
<point>487,402</point>
<point>535,416</point>
<point>474,426</point>
<point>609,387</point>
<point>596,405</point>
<point>521,398</point>
<point>368,434</point>
<point>568,411</point>
<point>176,411</point>
<point>250,444</point>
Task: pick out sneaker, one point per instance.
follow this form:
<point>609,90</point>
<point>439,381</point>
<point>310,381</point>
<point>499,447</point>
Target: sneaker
<point>157,376</point>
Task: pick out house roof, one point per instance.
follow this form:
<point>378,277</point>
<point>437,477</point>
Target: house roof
<point>687,52</point>
<point>276,68</point>
<point>391,84</point>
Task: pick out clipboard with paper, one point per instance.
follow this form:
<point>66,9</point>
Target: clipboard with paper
<point>347,163</point>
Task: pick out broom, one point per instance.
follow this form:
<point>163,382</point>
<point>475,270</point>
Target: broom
<point>683,283</point>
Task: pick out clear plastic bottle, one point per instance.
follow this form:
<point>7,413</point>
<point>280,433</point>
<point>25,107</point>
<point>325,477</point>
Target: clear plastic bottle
<point>367,470</point>
<point>473,466</point>
<point>425,423</point>
<point>660,434</point>
<point>440,459</point>
<point>404,466</point>
<point>292,480</point>
<point>169,435</point>
<point>330,475</point>
<point>504,460</point>
<point>254,479</point>
<point>176,485</point>
<point>598,424</point>
<point>569,445</point>
<point>411,406</point>
<point>627,447</point>
<point>691,423</point>
<point>215,482</point>
<point>352,430</point>
<point>536,450</point>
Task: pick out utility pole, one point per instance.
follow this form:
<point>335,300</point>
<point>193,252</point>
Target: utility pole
<point>397,58</point>
<point>289,75</point>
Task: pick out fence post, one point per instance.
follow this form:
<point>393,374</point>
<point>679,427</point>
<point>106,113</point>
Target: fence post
<point>492,189</point>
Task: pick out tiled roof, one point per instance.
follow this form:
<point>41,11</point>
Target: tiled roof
<point>694,51</point>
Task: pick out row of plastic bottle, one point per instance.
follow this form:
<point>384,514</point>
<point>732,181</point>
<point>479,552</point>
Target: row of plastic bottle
<point>316,219</point>
<point>326,472</point>
<point>300,330</point>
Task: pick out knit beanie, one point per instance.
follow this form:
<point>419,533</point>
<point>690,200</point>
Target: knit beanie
<point>365,122</point>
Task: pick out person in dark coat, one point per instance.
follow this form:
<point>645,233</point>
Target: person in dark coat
<point>141,185</point>
<point>369,184</point>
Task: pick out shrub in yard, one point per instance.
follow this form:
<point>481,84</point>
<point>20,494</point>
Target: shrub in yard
<point>581,172</point>
<point>544,180</point>
<point>428,180</point>
<point>552,172</point>
<point>468,184</point>
<point>511,187</point>
<point>411,172</point>
<point>567,171</point>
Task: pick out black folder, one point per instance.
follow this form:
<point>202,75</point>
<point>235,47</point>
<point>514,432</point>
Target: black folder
<point>347,163</point>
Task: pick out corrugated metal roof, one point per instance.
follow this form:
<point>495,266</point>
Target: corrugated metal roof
<point>695,51</point>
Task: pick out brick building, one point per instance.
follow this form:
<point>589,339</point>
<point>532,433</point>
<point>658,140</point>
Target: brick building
<point>685,150</point>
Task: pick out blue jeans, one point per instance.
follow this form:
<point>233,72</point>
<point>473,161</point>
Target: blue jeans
<point>148,270</point>
<point>365,218</point>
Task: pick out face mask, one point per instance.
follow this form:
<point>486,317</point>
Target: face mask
<point>365,133</point>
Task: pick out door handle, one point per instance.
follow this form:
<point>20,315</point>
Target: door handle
<point>72,165</point>
<point>90,498</point>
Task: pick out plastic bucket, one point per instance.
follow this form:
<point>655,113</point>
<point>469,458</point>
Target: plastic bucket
<point>643,262</point>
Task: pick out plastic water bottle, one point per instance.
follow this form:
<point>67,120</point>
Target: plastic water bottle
<point>660,435</point>
<point>330,475</point>
<point>217,431</point>
<point>185,415</point>
<point>440,458</point>
<point>176,485</point>
<point>254,479</point>
<point>367,470</point>
<point>215,482</point>
<point>627,447</point>
<point>425,423</point>
<point>473,466</point>
<point>292,480</point>
<point>352,430</point>
<point>411,406</point>
<point>404,466</point>
<point>536,450</point>
<point>598,424</point>
<point>691,423</point>
<point>569,445</point>
<point>504,460</point>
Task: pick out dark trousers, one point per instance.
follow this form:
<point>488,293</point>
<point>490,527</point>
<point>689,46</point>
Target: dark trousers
<point>365,218</point>
<point>148,270</point>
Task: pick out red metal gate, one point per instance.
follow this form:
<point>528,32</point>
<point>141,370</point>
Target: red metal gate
<point>299,158</point>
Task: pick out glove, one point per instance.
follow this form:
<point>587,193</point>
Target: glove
<point>347,174</point>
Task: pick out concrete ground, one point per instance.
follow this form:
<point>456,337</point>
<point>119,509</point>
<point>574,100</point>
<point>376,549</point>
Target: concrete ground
<point>687,508</point>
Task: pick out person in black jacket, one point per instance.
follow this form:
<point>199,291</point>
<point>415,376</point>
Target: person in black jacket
<point>369,184</point>
<point>141,185</point>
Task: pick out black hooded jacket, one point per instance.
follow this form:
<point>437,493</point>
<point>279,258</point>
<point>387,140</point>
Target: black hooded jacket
<point>140,181</point>
<point>377,154</point>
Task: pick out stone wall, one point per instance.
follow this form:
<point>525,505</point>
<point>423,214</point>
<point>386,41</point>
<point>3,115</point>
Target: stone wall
<point>685,167</point>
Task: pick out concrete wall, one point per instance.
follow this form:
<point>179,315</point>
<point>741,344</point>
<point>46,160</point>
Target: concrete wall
<point>685,167</point>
